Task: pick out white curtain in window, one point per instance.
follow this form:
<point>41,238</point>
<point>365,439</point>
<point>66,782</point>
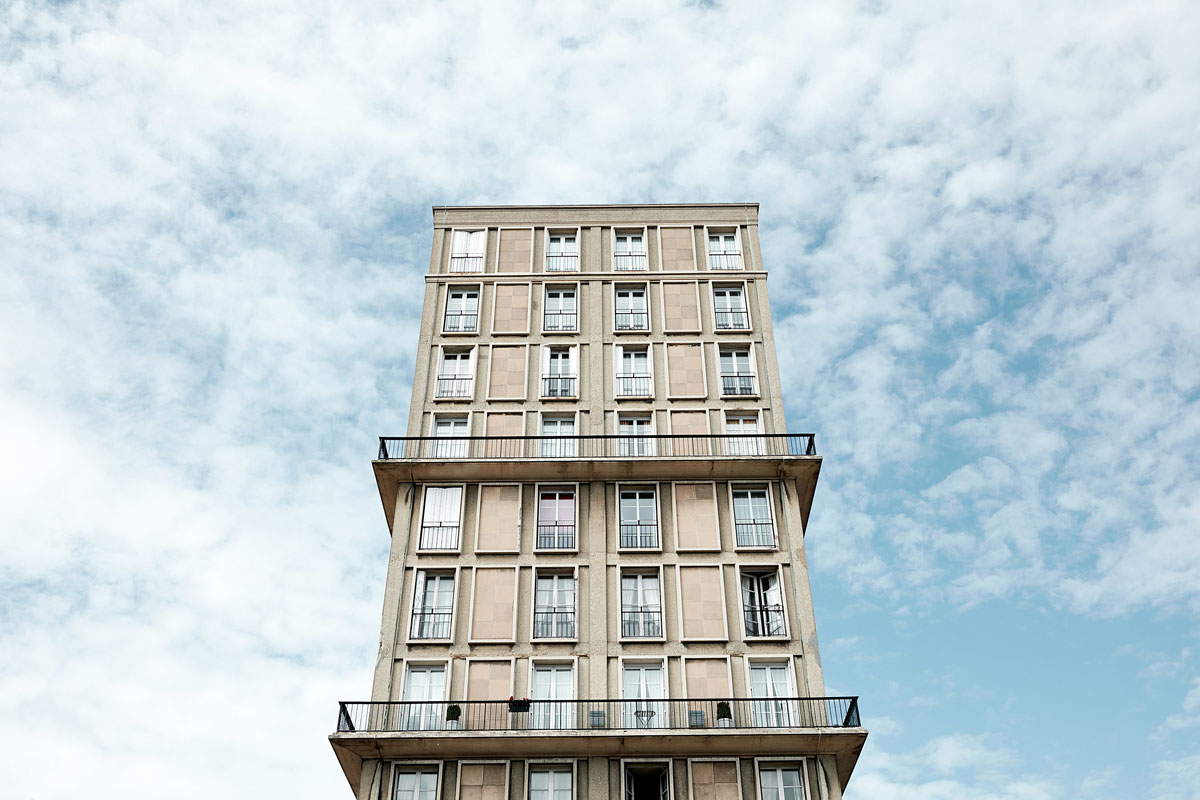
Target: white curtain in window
<point>442,505</point>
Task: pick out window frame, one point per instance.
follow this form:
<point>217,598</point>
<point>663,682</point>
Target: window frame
<point>532,765</point>
<point>462,511</point>
<point>451,288</point>
<point>800,762</point>
<point>555,661</point>
<point>726,285</point>
<point>631,286</point>
<point>472,368</point>
<point>450,256</point>
<point>722,230</point>
<point>546,570</point>
<point>764,569</point>
<point>537,507</point>
<point>552,231</point>
<point>549,286</point>
<point>650,448</point>
<point>446,665</point>
<point>667,762</point>
<point>408,765</point>
<point>435,440</point>
<point>454,572</point>
<point>757,447</point>
<point>620,230</point>
<point>618,362</point>
<point>643,569</point>
<point>752,358</point>
<point>735,486</point>
<point>556,415</point>
<point>573,360</point>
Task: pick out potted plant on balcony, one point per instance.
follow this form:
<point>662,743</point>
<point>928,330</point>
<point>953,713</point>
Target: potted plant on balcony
<point>453,714</point>
<point>724,715</point>
<point>518,704</point>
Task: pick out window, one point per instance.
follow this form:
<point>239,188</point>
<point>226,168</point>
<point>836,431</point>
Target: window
<point>631,309</point>
<point>466,251</point>
<point>416,784</point>
<point>549,784</point>
<point>553,693</point>
<point>780,783</point>
<point>771,688</point>
<point>641,606</point>
<point>650,781</point>
<point>633,372</point>
<point>450,429</point>
<point>644,693</point>
<point>752,518</point>
<point>424,692</point>
<point>554,607</point>
<point>729,305</point>
<point>462,311</point>
<point>742,435</point>
<point>562,445</point>
<point>629,251</point>
<point>724,251</point>
<point>456,374</point>
<point>440,518</point>
<point>433,607</point>
<point>560,311</point>
<point>559,378</point>
<point>562,253</point>
<point>635,435</point>
<point>556,519</point>
<point>737,374</point>
<point>639,518</point>
<point>762,604</point>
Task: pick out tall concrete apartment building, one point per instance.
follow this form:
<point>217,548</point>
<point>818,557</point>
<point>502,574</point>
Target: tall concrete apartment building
<point>597,585</point>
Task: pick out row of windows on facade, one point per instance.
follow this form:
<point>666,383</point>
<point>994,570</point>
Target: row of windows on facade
<point>631,310</point>
<point>468,250</point>
<point>717,779</point>
<point>633,372</point>
<point>555,610</point>
<point>638,518</point>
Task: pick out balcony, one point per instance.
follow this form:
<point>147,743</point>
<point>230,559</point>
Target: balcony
<point>431,624</point>
<point>553,623</point>
<point>466,263</point>
<point>639,535</point>
<point>732,320</point>
<point>629,262</point>
<point>453,387</point>
<point>632,321</point>
<point>724,259</point>
<point>738,385</point>
<point>643,622</point>
<point>764,621</point>
<point>634,385</point>
<point>566,262</point>
<point>455,322</point>
<point>560,386</point>
<point>438,537</point>
<point>555,537</point>
<point>556,321</point>
<point>754,533</point>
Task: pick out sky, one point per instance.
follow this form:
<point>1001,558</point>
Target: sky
<point>982,227</point>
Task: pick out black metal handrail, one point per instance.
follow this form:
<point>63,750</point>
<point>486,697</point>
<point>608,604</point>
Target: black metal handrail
<point>453,386</point>
<point>639,534</point>
<point>559,386</point>
<point>754,533</point>
<point>738,385</point>
<point>633,384</point>
<point>460,322</point>
<point>438,537</point>
<point>600,446</point>
<point>623,262</point>
<point>563,262</point>
<point>641,622</point>
<point>606,714</point>
<point>554,623</point>
<point>460,263</point>
<point>764,620</point>
<point>431,624</point>
<point>555,537</point>
<point>732,320</point>
<point>559,321</point>
<point>633,321</point>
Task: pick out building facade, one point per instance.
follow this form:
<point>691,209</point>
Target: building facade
<point>597,584</point>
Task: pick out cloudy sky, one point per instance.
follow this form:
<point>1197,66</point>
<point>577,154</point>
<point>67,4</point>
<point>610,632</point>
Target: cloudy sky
<point>982,223</point>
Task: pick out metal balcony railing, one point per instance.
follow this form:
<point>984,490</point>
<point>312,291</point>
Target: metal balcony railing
<point>724,259</point>
<point>772,445</point>
<point>431,624</point>
<point>554,623</point>
<point>555,537</point>
<point>639,534</point>
<point>559,386</point>
<point>764,621</point>
<point>632,321</point>
<point>455,322</point>
<point>559,321</point>
<point>732,320</point>
<point>738,385</point>
<point>643,622</point>
<point>633,385</point>
<point>453,386</point>
<point>438,537</point>
<point>567,262</point>
<point>624,262</point>
<point>464,263</point>
<point>600,715</point>
<point>754,533</point>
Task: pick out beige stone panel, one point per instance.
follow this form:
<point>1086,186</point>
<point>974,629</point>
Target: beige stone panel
<point>489,680</point>
<point>499,515</point>
<point>492,612</point>
<point>507,378</point>
<point>511,312</point>
<point>681,308</point>
<point>500,425</point>
<point>707,677</point>
<point>696,516</point>
<point>516,248</point>
<point>714,780</point>
<point>692,424</point>
<point>677,248</point>
<point>686,370</point>
<point>482,782</point>
<point>700,593</point>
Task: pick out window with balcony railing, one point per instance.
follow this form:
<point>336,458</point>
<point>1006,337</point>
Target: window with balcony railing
<point>632,313</point>
<point>638,510</point>
<point>752,523</point>
<point>454,374</point>
<point>724,251</point>
<point>560,311</point>
<point>433,606</point>
<point>556,520</point>
<point>558,438</point>
<point>738,385</point>
<point>629,252</point>
<point>562,253</point>
<point>560,386</point>
<point>554,607</point>
<point>764,620</point>
<point>462,311</point>
<point>634,384</point>
<point>453,386</point>
<point>737,375</point>
<point>441,518</point>
<point>729,306</point>
<point>467,249</point>
<point>635,435</point>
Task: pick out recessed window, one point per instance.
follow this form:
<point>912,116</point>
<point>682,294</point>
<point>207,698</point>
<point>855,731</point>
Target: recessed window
<point>553,695</point>
<point>433,606</point>
<point>752,523</point>
<point>549,784</point>
<point>781,783</point>
<point>631,309</point>
<point>742,435</point>
<point>641,606</point>
<point>559,376</point>
<point>762,604</point>
<point>424,694</point>
<point>560,312</point>
<point>462,311</point>
<point>416,784</point>
<point>737,372</point>
<point>440,518</point>
<point>635,432</point>
<point>724,250</point>
<point>729,307</point>
<point>638,513</point>
<point>633,372</point>
<point>556,519</point>
<point>562,252</point>
<point>466,251</point>
<point>455,379</point>
<point>449,437</point>
<point>554,607</point>
<point>643,690</point>
<point>774,703</point>
<point>629,251</point>
<point>558,437</point>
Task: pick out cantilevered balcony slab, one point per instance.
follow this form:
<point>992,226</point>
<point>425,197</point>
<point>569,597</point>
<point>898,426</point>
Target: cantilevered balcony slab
<point>586,458</point>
